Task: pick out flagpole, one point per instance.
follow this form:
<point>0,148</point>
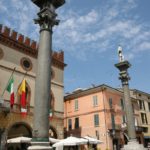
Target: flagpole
<point>24,75</point>
<point>8,81</point>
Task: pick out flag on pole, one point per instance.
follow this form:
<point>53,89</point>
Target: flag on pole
<point>10,89</point>
<point>50,114</point>
<point>22,93</point>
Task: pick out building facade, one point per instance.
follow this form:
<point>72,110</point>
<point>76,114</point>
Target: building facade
<point>18,56</point>
<point>99,112</point>
<point>143,100</point>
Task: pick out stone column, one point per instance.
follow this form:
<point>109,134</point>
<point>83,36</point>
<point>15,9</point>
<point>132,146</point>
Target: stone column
<point>3,138</point>
<point>46,20</point>
<point>124,77</point>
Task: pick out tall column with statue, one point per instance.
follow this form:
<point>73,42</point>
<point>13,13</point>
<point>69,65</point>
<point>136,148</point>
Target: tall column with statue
<point>123,66</point>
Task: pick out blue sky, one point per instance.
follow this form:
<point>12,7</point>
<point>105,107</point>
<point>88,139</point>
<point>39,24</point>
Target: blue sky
<point>89,33</point>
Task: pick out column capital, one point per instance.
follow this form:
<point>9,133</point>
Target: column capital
<point>124,77</point>
<point>47,18</point>
<point>123,68</point>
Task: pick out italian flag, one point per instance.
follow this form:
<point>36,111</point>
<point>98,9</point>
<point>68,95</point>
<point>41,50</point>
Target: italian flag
<point>50,114</point>
<point>10,89</point>
<point>22,93</point>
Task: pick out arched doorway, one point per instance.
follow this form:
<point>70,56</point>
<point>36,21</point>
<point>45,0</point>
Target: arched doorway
<point>52,132</point>
<point>18,130</point>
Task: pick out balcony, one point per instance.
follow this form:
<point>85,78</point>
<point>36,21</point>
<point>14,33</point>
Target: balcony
<point>73,132</point>
<point>5,108</point>
<point>114,127</point>
<point>139,129</point>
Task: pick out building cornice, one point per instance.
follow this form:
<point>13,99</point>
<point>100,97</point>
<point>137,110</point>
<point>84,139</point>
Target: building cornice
<point>140,92</point>
<point>92,90</point>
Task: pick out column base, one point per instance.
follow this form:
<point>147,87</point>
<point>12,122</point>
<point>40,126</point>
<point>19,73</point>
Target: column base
<point>133,145</point>
<point>39,146</point>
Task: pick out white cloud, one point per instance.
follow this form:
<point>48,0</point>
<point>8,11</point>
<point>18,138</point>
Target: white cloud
<point>144,46</point>
<point>100,28</point>
<point>94,31</point>
<point>90,18</point>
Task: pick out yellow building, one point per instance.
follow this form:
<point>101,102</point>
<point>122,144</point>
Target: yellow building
<point>18,55</point>
<point>143,100</point>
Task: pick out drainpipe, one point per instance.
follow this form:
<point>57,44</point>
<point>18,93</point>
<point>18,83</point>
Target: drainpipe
<point>105,117</point>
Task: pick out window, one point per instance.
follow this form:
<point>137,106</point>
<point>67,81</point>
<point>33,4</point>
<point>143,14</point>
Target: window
<point>133,110</point>
<point>113,121</point>
<point>95,101</point>
<point>26,63</point>
<point>123,119</point>
<point>141,105</point>
<point>149,106</point>
<point>76,123</point>
<point>97,134</point>
<point>69,124</point>
<point>110,103</point>
<point>76,105</point>
<point>96,120</point>
<point>1,53</point>
<point>144,118</point>
<point>145,129</point>
<point>135,121</point>
<point>122,103</point>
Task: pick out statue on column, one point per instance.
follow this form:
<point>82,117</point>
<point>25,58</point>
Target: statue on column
<point>120,54</point>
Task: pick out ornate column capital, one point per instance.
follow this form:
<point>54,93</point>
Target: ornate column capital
<point>123,68</point>
<point>47,18</point>
<point>124,77</point>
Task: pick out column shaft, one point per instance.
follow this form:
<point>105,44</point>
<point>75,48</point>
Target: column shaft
<point>42,87</point>
<point>129,113</point>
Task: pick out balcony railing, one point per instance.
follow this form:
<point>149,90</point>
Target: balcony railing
<point>115,127</point>
<point>139,129</point>
<point>5,107</point>
<point>74,132</point>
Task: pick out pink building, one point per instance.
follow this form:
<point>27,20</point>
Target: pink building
<point>99,112</point>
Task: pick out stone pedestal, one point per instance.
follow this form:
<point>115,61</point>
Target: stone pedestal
<point>134,145</point>
<point>40,146</point>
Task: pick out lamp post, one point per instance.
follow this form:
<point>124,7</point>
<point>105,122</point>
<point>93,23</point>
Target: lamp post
<point>124,77</point>
<point>46,19</point>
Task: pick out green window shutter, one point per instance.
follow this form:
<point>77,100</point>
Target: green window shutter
<point>76,105</point>
<point>113,121</point>
<point>96,120</point>
<point>69,124</point>
<point>122,103</point>
<point>110,102</point>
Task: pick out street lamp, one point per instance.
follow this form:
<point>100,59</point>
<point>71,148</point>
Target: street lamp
<point>46,20</point>
<point>123,66</point>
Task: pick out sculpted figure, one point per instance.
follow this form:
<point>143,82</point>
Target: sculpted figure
<point>120,54</point>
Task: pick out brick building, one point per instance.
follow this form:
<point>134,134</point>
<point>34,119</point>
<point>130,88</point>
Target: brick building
<point>99,112</point>
<point>19,52</point>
